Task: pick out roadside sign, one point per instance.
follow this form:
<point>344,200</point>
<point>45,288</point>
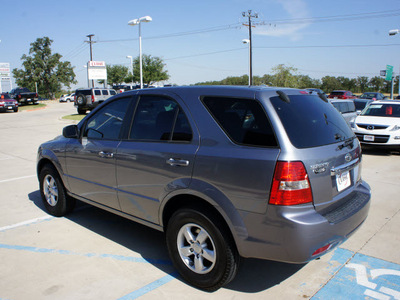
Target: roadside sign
<point>383,73</point>
<point>389,72</point>
<point>97,70</point>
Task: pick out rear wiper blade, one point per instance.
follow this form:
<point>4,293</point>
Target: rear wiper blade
<point>348,142</point>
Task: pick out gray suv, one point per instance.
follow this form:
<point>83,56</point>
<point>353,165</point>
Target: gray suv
<point>225,172</point>
<point>88,99</point>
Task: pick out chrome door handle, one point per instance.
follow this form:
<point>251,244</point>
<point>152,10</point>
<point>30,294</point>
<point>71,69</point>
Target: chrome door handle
<point>177,162</point>
<point>103,154</point>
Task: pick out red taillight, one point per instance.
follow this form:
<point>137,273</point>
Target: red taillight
<point>19,96</point>
<point>290,185</point>
<point>92,98</point>
<point>322,249</point>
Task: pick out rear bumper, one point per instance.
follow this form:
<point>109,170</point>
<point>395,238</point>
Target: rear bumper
<point>293,234</point>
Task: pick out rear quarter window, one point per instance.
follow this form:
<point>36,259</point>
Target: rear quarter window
<point>243,120</point>
<point>310,121</point>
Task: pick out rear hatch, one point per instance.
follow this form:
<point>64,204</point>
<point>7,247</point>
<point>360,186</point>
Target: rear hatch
<point>320,138</point>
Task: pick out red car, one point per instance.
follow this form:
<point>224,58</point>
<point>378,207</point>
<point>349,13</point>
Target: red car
<point>7,103</point>
<point>342,95</point>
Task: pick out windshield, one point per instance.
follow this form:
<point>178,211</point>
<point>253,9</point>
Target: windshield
<point>360,105</point>
<point>337,93</point>
<point>368,96</point>
<point>311,122</point>
<point>382,110</point>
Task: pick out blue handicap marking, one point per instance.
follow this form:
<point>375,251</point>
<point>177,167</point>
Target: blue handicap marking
<point>363,277</point>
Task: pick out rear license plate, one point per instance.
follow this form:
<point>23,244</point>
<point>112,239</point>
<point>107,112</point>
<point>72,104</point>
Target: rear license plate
<point>343,181</point>
<point>369,138</point>
<point>10,107</point>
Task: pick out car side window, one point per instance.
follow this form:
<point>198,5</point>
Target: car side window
<point>97,92</point>
<point>159,118</point>
<point>104,92</point>
<point>243,120</point>
<point>106,123</point>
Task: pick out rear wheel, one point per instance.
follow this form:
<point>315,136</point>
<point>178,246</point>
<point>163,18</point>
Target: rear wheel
<point>53,194</point>
<point>16,109</point>
<point>201,249</point>
<point>81,100</point>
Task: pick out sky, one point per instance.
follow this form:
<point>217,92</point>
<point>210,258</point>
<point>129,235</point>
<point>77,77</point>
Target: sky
<point>202,40</point>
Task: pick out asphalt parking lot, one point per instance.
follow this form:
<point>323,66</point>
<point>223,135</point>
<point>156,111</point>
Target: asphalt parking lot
<point>92,254</point>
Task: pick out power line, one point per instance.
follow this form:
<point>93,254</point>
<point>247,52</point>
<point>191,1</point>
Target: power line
<point>328,46</point>
<point>178,34</point>
<point>284,47</point>
<point>350,17</point>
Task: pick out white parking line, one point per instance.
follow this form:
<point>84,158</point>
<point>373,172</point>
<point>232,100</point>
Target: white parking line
<point>24,223</point>
<point>17,178</point>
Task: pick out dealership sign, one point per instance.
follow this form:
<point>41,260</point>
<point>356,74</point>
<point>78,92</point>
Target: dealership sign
<point>97,70</point>
<point>5,77</point>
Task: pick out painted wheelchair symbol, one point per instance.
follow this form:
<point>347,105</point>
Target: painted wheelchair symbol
<point>384,293</point>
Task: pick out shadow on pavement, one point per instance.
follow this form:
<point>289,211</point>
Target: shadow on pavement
<point>366,150</point>
<point>254,275</point>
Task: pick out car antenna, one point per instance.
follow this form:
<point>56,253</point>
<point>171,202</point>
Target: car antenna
<point>323,97</point>
<point>283,96</point>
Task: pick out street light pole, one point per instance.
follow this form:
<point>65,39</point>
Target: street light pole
<point>249,15</point>
<point>246,41</point>
<point>138,22</point>
<point>131,67</point>
<point>394,32</point>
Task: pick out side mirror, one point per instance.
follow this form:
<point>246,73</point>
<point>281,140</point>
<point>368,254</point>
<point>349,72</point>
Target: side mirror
<point>71,132</point>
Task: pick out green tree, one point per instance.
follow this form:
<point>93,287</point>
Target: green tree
<point>284,76</point>
<point>377,84</point>
<point>116,74</point>
<point>362,84</point>
<point>45,69</point>
<point>330,83</point>
<point>153,70</point>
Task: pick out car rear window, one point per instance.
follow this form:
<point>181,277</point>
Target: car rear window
<point>84,92</point>
<point>382,110</point>
<point>345,106</point>
<point>243,120</point>
<point>338,93</point>
<point>310,121</point>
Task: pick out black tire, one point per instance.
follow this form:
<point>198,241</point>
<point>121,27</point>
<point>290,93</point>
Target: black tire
<point>81,100</point>
<point>81,111</point>
<point>16,109</point>
<point>52,190</point>
<point>213,250</point>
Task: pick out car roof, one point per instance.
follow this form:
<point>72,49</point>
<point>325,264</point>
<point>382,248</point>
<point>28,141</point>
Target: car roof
<point>396,102</point>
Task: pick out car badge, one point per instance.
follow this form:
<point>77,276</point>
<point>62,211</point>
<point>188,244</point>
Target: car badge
<point>348,157</point>
<point>319,168</point>
<point>370,127</point>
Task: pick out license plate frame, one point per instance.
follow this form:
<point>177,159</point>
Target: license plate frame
<point>369,138</point>
<point>343,181</point>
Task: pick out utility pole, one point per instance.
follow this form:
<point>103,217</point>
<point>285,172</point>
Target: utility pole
<point>249,15</point>
<point>91,53</point>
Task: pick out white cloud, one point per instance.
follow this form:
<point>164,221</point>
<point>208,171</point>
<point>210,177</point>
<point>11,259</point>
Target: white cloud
<point>295,9</point>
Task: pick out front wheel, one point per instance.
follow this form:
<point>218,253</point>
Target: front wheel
<point>53,194</point>
<point>201,249</point>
